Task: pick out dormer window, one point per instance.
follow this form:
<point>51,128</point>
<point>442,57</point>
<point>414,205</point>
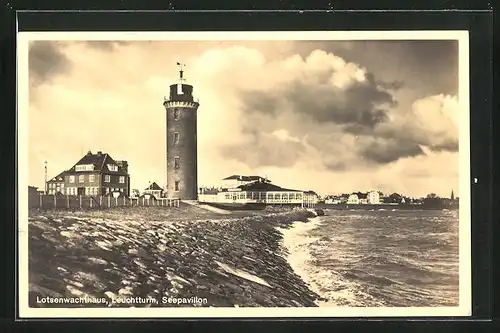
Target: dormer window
<point>113,167</point>
<point>84,167</point>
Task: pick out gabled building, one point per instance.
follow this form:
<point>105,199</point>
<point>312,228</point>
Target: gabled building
<point>56,185</point>
<point>93,174</point>
<point>154,190</point>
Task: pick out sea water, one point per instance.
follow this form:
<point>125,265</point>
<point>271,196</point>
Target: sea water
<point>394,258</point>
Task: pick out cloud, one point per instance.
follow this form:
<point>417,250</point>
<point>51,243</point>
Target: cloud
<point>106,45</point>
<point>46,60</point>
<point>352,119</point>
<point>307,120</point>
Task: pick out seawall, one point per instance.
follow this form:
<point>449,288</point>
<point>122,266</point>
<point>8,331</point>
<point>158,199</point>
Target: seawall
<point>229,260</point>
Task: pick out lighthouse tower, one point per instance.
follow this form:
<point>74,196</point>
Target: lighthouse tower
<point>182,165</point>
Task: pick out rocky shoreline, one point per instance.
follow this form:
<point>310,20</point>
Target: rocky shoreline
<point>164,253</point>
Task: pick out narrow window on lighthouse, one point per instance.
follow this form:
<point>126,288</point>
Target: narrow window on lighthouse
<point>176,162</point>
<point>176,186</point>
<point>176,137</point>
<point>176,114</point>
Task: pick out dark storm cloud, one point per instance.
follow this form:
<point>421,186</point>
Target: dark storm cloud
<point>436,142</point>
<point>447,145</point>
<point>106,45</point>
<point>359,106</point>
<point>394,85</point>
<point>361,109</point>
<point>429,65</point>
<point>46,60</point>
<point>387,151</point>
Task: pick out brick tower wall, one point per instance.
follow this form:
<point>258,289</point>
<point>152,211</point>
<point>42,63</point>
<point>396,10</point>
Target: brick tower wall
<point>185,124</point>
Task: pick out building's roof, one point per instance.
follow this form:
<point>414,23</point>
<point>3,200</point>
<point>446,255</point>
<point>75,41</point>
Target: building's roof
<point>361,195</point>
<point>59,177</point>
<point>244,178</point>
<point>100,161</point>
<point>311,192</point>
<point>154,187</point>
<point>210,191</point>
<point>266,187</point>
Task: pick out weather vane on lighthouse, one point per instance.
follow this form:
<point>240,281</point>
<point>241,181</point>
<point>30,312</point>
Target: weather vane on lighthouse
<point>181,71</point>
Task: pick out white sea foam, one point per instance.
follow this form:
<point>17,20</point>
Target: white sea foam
<point>332,287</point>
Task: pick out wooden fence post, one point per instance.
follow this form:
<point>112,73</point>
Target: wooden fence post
<point>67,201</point>
<point>116,201</point>
<point>100,200</point>
<point>41,200</point>
<point>143,200</point>
<point>80,201</point>
<point>55,201</point>
<point>109,202</point>
<point>90,203</point>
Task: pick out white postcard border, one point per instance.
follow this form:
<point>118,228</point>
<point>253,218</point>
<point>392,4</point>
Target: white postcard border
<point>465,302</point>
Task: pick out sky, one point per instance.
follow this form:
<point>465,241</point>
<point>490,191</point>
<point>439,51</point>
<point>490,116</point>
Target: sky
<point>330,116</point>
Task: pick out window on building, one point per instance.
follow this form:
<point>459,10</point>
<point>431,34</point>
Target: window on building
<point>81,178</point>
<point>176,162</point>
<point>176,138</point>
<point>122,179</point>
<point>176,114</point>
<point>112,167</point>
<point>107,178</point>
<point>84,167</point>
<point>71,179</point>
<point>91,178</point>
<point>176,185</point>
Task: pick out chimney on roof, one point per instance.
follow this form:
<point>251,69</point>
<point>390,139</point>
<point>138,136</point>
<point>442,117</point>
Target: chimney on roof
<point>89,153</point>
<point>241,177</point>
<point>123,165</point>
<point>99,153</point>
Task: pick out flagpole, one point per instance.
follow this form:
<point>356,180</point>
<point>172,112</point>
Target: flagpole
<point>45,177</point>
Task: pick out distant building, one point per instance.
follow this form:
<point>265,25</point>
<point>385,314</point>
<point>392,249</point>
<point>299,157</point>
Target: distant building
<point>93,174</point>
<point>374,197</point>
<point>333,200</point>
<point>353,199</point>
<point>155,190</point>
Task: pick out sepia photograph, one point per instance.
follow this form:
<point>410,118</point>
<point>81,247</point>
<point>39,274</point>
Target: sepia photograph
<point>244,174</point>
